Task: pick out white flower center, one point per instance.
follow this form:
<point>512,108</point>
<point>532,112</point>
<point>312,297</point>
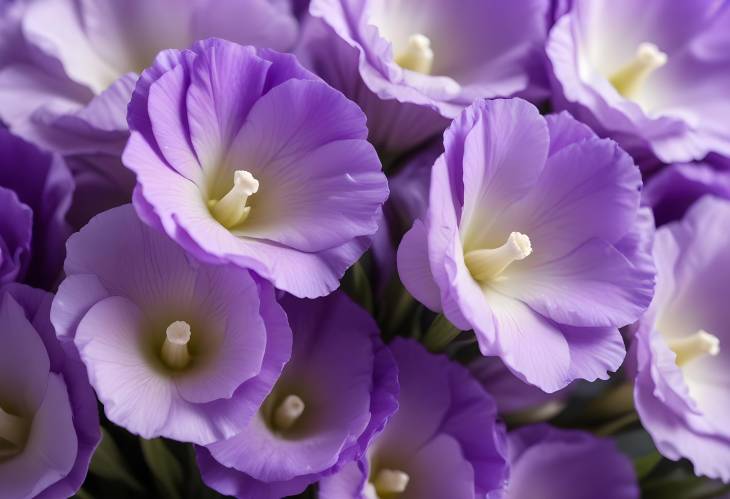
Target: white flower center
<point>231,209</point>
<point>417,55</point>
<point>288,412</point>
<point>13,432</point>
<point>387,482</point>
<point>631,77</point>
<point>175,352</point>
<point>486,264</point>
<point>694,346</point>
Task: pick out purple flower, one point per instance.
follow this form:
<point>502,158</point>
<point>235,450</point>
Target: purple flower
<point>49,425</point>
<point>244,157</point>
<point>334,395</point>
<point>674,188</point>
<point>567,464</point>
<point>173,348</point>
<point>74,64</point>
<point>414,64</point>
<point>35,193</point>
<point>444,441</point>
<point>682,388</point>
<point>533,238</point>
<point>654,78</point>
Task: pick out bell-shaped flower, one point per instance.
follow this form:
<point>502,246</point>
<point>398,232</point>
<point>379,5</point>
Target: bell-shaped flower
<point>682,387</point>
<point>412,65</point>
<point>35,193</point>
<point>551,463</point>
<point>49,425</point>
<point>335,394</point>
<point>173,348</point>
<point>534,239</point>
<point>244,157</point>
<point>67,81</point>
<point>444,440</point>
<point>655,78</point>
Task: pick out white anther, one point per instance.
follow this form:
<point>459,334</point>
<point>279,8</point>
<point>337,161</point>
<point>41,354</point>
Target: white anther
<point>231,209</point>
<point>486,264</point>
<point>694,346</point>
<point>288,412</point>
<point>390,482</point>
<point>629,79</point>
<point>175,352</point>
<point>417,56</point>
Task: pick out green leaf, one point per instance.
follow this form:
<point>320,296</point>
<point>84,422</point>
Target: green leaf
<point>109,464</point>
<point>645,464</point>
<point>165,468</point>
<point>357,285</point>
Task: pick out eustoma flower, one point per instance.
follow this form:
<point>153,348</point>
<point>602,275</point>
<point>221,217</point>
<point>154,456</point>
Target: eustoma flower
<point>654,78</point>
<point>444,440</point>
<point>173,348</point>
<point>35,193</point>
<point>411,64</point>
<point>69,79</point>
<point>682,389</point>
<point>533,238</point>
<point>332,398</point>
<point>244,157</point>
<point>49,426</point>
<point>566,464</point>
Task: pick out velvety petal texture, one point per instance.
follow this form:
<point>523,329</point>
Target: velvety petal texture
<point>567,464</point>
<point>444,441</point>
<point>534,239</point>
<point>49,425</point>
<point>346,381</point>
<point>411,65</point>
<point>654,79</point>
<point>244,157</point>
<point>173,347</point>
<point>68,77</point>
<point>682,389</point>
<point>35,194</point>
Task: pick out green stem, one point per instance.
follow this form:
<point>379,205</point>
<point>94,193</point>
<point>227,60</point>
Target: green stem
<point>617,424</point>
<point>440,334</point>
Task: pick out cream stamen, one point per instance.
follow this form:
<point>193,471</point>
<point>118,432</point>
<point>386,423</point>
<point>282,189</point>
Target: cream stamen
<point>629,79</point>
<point>486,264</point>
<point>13,431</point>
<point>390,482</point>
<point>231,209</point>
<point>175,352</point>
<point>694,346</point>
<point>417,56</point>
<point>288,412</point>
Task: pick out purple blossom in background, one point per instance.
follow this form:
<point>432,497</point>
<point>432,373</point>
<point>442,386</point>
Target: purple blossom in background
<point>35,193</point>
<point>49,426</point>
<point>551,463</point>
<point>444,441</point>
<point>673,189</point>
<point>73,65</point>
<point>653,78</point>
<point>173,348</point>
<point>682,389</point>
<point>333,397</point>
<point>266,168</point>
<point>414,64</point>
<point>534,239</point>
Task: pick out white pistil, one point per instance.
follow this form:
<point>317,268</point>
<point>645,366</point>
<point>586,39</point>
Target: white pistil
<point>390,482</point>
<point>629,79</point>
<point>288,412</point>
<point>486,264</point>
<point>417,56</point>
<point>175,352</point>
<point>694,346</point>
<point>13,431</point>
<point>231,209</point>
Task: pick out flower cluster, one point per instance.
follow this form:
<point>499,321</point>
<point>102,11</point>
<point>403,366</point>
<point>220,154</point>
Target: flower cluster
<point>364,249</point>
